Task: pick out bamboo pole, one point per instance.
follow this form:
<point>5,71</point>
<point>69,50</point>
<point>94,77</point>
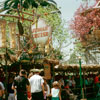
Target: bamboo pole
<point>24,12</point>
<point>6,15</point>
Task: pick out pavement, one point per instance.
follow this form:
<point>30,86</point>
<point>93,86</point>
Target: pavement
<point>98,98</point>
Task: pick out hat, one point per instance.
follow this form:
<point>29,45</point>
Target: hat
<point>55,83</point>
<point>35,70</point>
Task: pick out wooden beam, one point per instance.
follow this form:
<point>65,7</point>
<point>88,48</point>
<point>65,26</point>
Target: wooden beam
<point>24,12</point>
<point>6,15</point>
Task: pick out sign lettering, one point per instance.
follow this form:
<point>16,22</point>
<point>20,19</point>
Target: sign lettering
<point>41,32</point>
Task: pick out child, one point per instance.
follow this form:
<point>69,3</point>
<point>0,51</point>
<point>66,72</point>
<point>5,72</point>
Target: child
<point>55,91</point>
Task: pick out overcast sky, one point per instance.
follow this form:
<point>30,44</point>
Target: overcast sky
<point>68,7</point>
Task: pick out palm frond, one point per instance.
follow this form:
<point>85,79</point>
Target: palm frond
<point>9,4</point>
<point>52,1</point>
<point>2,10</point>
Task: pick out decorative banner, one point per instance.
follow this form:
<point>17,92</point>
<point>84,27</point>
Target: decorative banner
<point>47,71</point>
<point>12,31</point>
<point>2,33</point>
<point>41,32</point>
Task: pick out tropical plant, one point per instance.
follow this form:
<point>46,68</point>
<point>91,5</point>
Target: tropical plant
<point>86,20</point>
<point>9,4</point>
<point>88,56</point>
<point>60,36</point>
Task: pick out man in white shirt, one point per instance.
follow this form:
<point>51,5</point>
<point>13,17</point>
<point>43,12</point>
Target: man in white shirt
<point>37,87</point>
<point>2,89</point>
<point>2,86</point>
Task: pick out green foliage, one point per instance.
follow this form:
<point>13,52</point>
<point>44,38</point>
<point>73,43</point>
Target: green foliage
<point>58,31</point>
<point>60,36</point>
<point>9,4</point>
<point>73,58</point>
<point>52,18</point>
<point>77,51</point>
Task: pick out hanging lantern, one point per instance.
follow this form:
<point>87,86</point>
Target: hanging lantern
<point>47,49</point>
<point>12,31</point>
<point>40,48</point>
<point>2,33</point>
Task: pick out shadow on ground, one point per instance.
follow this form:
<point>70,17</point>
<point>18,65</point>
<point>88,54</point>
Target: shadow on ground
<point>98,98</point>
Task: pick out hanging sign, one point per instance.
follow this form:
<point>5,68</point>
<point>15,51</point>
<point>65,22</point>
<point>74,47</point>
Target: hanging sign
<point>47,71</point>
<point>41,32</point>
<point>2,33</point>
<point>12,31</point>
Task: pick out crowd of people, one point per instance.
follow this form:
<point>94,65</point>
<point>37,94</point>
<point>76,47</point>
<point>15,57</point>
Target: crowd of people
<point>33,86</point>
<point>30,86</point>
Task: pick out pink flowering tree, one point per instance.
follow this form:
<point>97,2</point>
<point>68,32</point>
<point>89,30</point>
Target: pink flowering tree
<point>86,20</point>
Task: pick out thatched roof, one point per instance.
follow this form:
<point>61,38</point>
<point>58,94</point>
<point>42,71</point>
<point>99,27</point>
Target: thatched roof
<point>75,67</point>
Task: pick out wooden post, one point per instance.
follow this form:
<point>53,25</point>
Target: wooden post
<point>53,72</point>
